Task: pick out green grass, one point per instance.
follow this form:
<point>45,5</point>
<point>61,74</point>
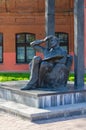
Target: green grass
<point>9,76</point>
<point>71,77</point>
<point>85,77</point>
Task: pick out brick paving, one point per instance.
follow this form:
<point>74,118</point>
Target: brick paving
<point>13,122</point>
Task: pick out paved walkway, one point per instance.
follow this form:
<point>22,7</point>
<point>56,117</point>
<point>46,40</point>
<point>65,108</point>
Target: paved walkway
<point>12,122</point>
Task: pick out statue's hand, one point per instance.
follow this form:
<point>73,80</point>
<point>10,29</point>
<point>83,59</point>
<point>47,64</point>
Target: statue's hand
<point>47,38</point>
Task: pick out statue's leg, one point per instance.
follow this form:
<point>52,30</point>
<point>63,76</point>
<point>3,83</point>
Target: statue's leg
<point>33,82</point>
<point>45,67</point>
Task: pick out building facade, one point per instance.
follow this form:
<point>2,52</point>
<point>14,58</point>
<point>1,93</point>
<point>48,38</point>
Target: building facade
<point>22,21</point>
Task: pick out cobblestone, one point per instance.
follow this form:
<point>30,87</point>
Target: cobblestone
<point>13,122</point>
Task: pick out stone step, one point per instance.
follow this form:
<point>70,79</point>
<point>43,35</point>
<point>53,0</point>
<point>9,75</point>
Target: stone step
<point>41,98</point>
<point>34,114</point>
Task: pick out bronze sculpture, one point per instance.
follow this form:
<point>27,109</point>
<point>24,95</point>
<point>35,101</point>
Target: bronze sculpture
<point>53,70</point>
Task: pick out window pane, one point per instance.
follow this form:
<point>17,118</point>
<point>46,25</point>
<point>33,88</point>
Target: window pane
<point>0,54</point>
<point>62,37</point>
<point>30,53</point>
<point>1,39</point>
<point>30,38</point>
<point>20,54</point>
<point>20,38</point>
<point>24,52</point>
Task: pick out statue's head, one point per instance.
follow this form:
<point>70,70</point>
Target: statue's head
<point>54,41</point>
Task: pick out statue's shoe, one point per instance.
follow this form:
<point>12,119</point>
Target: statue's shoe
<point>28,87</point>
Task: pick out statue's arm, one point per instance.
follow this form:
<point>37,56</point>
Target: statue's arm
<point>37,45</point>
<point>38,42</point>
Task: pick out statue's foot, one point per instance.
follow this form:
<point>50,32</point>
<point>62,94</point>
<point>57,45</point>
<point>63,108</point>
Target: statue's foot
<point>29,87</point>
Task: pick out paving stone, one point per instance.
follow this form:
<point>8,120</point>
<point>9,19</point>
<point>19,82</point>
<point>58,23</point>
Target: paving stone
<point>13,122</point>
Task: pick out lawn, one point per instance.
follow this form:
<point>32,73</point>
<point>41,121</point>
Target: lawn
<point>8,76</point>
<point>71,77</point>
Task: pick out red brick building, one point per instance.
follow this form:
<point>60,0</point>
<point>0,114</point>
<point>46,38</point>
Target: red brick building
<point>22,21</point>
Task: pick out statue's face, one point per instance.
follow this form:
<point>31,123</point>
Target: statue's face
<point>53,42</point>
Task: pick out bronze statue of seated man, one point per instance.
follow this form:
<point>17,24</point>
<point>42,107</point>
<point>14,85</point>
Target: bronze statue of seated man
<point>51,71</point>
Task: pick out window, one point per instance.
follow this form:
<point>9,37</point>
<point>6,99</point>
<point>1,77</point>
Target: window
<point>24,52</point>
<point>63,37</point>
<point>1,47</point>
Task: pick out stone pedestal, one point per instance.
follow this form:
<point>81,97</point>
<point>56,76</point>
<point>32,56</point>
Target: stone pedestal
<point>42,98</point>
